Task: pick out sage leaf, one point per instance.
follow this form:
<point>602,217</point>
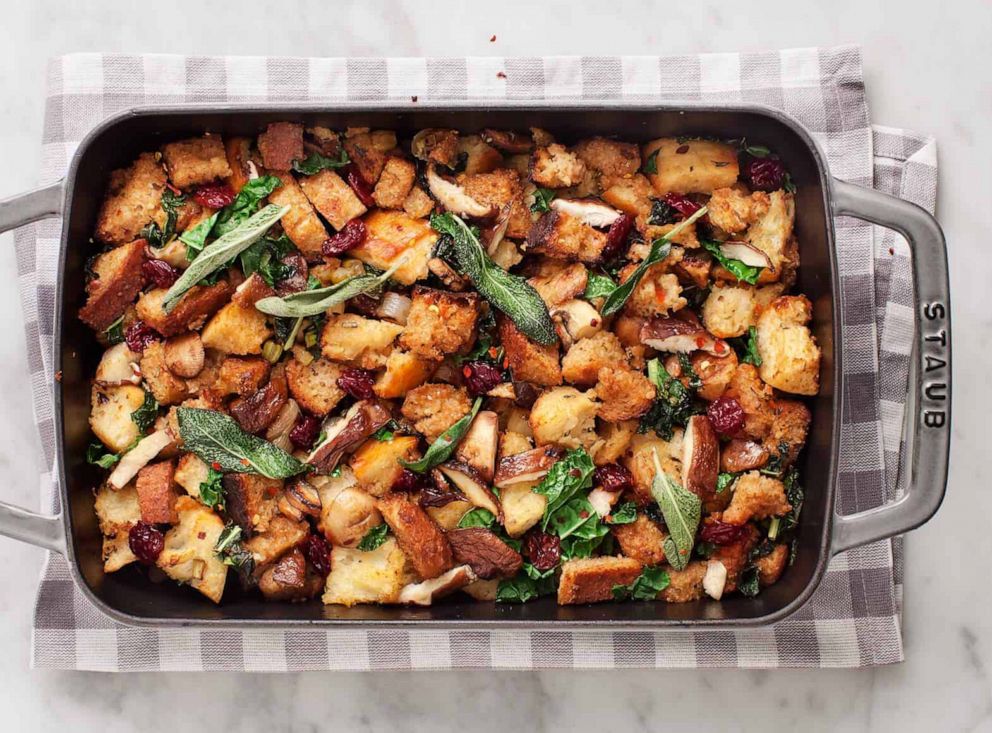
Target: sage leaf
<point>565,479</point>
<point>599,286</point>
<point>478,517</point>
<point>511,294</point>
<point>659,251</point>
<point>441,449</point>
<point>682,510</point>
<point>195,238</point>
<point>222,251</point>
<point>223,445</point>
<point>744,273</point>
<point>315,162</point>
<point>374,538</point>
<point>245,204</point>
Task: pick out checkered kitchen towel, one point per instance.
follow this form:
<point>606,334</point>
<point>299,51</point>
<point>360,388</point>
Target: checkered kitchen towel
<point>853,619</point>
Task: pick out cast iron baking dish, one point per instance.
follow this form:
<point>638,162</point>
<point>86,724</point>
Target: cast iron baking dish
<point>130,597</point>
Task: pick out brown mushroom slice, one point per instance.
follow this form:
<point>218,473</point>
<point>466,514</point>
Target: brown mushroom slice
<point>446,274</point>
<point>507,141</point>
<point>681,335</point>
<point>475,488</point>
<point>594,213</point>
<point>576,319</point>
<point>531,465</point>
<point>426,592</point>
<point>487,555</point>
<point>435,144</point>
<point>747,253</point>
<point>454,198</point>
<point>363,419</point>
<point>139,457</point>
<point>739,455</point>
<point>478,447</point>
<point>493,234</point>
<point>700,457</point>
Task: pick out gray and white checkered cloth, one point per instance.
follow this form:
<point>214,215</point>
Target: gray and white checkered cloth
<point>852,620</point>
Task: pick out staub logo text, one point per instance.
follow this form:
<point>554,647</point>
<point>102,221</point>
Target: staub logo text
<point>934,354</point>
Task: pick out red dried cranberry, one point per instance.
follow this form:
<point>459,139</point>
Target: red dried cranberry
<point>616,237</point>
<point>727,415</point>
<point>361,187</point>
<point>138,335</point>
<point>146,542</point>
<point>682,204</point>
<point>216,196</point>
<point>613,477</point>
<point>721,533</point>
<point>480,377</point>
<point>764,174</point>
<point>296,277</point>
<point>543,549</point>
<point>351,235</point>
<point>305,431</point>
<point>357,383</point>
<point>365,304</point>
<point>159,272</point>
<point>318,551</point>
<point>408,481</point>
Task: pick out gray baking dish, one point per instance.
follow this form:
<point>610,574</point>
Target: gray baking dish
<point>129,597</point>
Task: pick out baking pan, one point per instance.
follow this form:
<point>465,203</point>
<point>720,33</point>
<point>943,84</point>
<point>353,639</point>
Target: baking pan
<point>130,597</point>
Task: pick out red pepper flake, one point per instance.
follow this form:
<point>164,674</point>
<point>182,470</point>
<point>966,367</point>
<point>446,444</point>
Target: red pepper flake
<point>271,490</point>
<point>493,39</point>
<point>215,465</point>
<point>493,351</point>
<point>584,514</point>
<point>466,371</point>
<point>700,342</point>
<point>244,462</point>
<point>201,535</point>
<point>500,75</point>
<point>682,150</point>
<point>172,188</point>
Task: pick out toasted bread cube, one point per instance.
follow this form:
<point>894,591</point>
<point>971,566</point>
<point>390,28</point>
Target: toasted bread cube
<point>241,376</point>
<point>789,426</point>
<point>166,387</point>
<point>528,360</point>
<point>280,145</point>
<point>772,234</point>
<point>623,393</point>
<point>421,540</point>
<point>189,555</point>
<point>196,161</point>
<point>364,342</point>
<point>754,397</point>
<point>734,210</point>
<point>480,157</point>
<point>238,153</point>
<point>189,313</point>
<point>118,280</point>
<point>500,188</point>
<point>609,159</point>
<point>236,329</point>
<point>729,310</point>
<point>556,167</point>
<point>591,579</point>
<point>332,197</point>
<point>134,199</point>
<point>418,204</point>
<point>118,511</point>
<point>392,236</point>
<point>522,508</point>
<point>641,540</point>
<point>714,372</point>
<point>184,355</point>
<point>566,417</point>
<point>433,408</point>
<point>631,196</point>
<point>558,282</point>
<point>250,500</point>
<point>314,385</point>
<point>756,496</point>
<point>692,166</point>
<point>280,535</point>
<point>685,585</point>
<point>191,473</point>
<point>301,223</point>
<point>587,356</point>
<point>118,365</point>
<point>110,415</point>
<point>772,565</point>
<point>404,371</point>
<point>565,237</point>
<point>365,577</point>
<point>790,358</point>
<point>449,515</point>
<point>368,152</point>
<point>657,294</point>
<point>395,183</point>
<point>376,462</point>
<point>614,439</point>
<point>156,493</point>
<point>440,323</point>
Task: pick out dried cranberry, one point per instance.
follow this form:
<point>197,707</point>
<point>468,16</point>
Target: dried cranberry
<point>721,533</point>
<point>295,278</point>
<point>305,431</point>
<point>682,204</point>
<point>613,477</point>
<point>616,237</point>
<point>159,272</point>
<point>138,335</point>
<point>727,415</point>
<point>361,187</point>
<point>357,383</point>
<point>408,481</point>
<point>216,196</point>
<point>480,377</point>
<point>365,304</point>
<point>351,235</point>
<point>146,542</point>
<point>764,174</point>
<point>318,551</point>
<point>543,549</point>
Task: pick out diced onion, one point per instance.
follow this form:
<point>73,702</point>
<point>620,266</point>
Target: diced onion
<point>395,307</point>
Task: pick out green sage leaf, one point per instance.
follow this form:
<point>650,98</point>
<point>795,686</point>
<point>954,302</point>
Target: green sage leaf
<point>374,538</point>
<point>599,286</point>
<point>441,449</point>
<point>744,273</point>
<point>245,204</point>
<point>566,478</point>
<point>682,510</point>
<point>315,162</point>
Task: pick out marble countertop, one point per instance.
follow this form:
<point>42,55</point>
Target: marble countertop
<point>922,75</point>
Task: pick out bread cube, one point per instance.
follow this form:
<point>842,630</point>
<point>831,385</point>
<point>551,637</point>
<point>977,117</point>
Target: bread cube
<point>392,236</point>
<point>691,166</point>
<point>528,360</point>
<point>117,511</point>
<point>364,342</point>
<point>332,197</point>
<point>196,161</point>
<point>110,415</point>
<point>189,555</point>
<point>314,385</point>
<point>790,357</point>
<point>301,223</point>
<point>189,313</point>
<point>440,323</point>
<point>118,280</point>
<point>365,577</point>
<point>134,199</point>
<point>395,183</point>
<point>591,579</point>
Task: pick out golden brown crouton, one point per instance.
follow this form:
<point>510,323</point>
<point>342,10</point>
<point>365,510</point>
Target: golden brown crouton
<point>167,388</point>
<point>189,554</point>
<point>250,500</point>
<point>134,199</point>
<point>556,167</point>
<point>301,223</point>
<point>735,555</point>
<point>641,540</point>
<point>565,237</point>
<point>440,322</point>
<point>614,439</point>
<point>280,535</point>
<point>376,462</point>
<point>685,585</point>
<point>365,577</point>
<point>714,372</point>
<point>118,511</point>
<point>236,329</point>
<point>437,145</point>
<point>332,197</point>
<point>771,566</point>
<point>591,579</point>
<point>196,161</point>
<point>500,188</point>
<point>772,234</point>
<point>631,196</point>
<point>191,473</point>
<point>417,203</point>
<point>364,342</point>
<point>188,314</point>
<point>480,157</point>
<point>691,166</point>
<point>582,362</point>
<point>368,153</point>
<point>280,145</point>
<point>241,376</point>
<point>528,360</point>
<point>733,210</point>
<point>756,496</point>
<point>624,393</point>
<point>394,236</point>
<point>729,310</point>
<point>395,183</point>
<point>110,414</point>
<point>314,385</point>
<point>694,268</point>
<point>118,280</point>
<point>421,540</point>
<point>512,442</point>
<point>156,493</point>
<point>184,355</point>
<point>789,426</point>
<point>433,408</point>
<point>404,371</point>
<point>237,150</point>
<point>566,417</point>
<point>657,294</point>
<point>557,282</point>
<point>611,159</point>
<point>790,358</point>
<point>754,397</point>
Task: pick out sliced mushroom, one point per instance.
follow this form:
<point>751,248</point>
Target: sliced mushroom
<point>742,455</point>
<point>589,211</point>
<point>700,457</point>
<point>454,198</point>
<point>531,465</point>
<point>446,274</point>
<point>472,485</point>
<point>184,355</point>
<point>493,234</point>
<point>602,500</point>
<point>746,253</point>
<point>300,499</point>
<point>425,593</point>
<point>507,141</point>
<point>487,555</point>
<point>363,419</point>
<point>478,447</point>
<point>118,365</point>
<point>681,335</point>
<point>715,579</point>
<point>576,319</point>
<point>435,144</point>
<point>139,457</point>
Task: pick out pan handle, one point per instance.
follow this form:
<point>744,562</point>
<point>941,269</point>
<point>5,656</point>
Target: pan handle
<point>22,524</point>
<point>928,403</point>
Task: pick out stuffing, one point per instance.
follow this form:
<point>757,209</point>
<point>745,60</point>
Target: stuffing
<point>591,579</point>
<point>772,234</point>
<point>167,388</point>
<point>691,166</point>
<point>733,210</point>
<point>395,183</point>
<point>556,167</point>
<point>500,188</point>
<point>314,385</point>
<point>558,282</point>
<point>582,363</point>
<point>280,145</point>
<point>527,360</point>
<point>565,237</point>
<point>241,376</point>
<point>623,393</point>
<point>117,511</point>
<point>685,585</point>
<point>436,145</point>
<point>346,513</point>
<point>376,463</point>
<point>641,540</point>
<point>729,310</point>
<point>506,255</point>
<point>614,439</point>
<point>440,323</point>
<point>404,371</point>
<point>134,199</point>
<point>188,555</point>
<point>365,577</point>
<point>433,408</point>
<point>188,314</point>
<point>714,372</point>
<point>332,197</point>
<point>196,161</point>
<point>421,540</point>
<point>237,150</point>
<point>364,342</point>
<point>288,579</point>
<point>236,329</point>
<point>184,355</point>
<point>118,365</point>
<point>610,159</point>
<point>118,280</point>
<point>280,535</point>
<point>367,151</point>
<point>735,556</point>
<point>418,204</point>
<point>190,473</point>
<point>566,417</point>
<point>657,294</point>
<point>632,196</point>
<point>693,269</point>
<point>250,500</point>
<point>771,566</point>
<point>392,236</point>
<point>790,358</point>
<point>756,496</point>
<point>301,223</point>
<point>157,494</point>
<point>110,415</point>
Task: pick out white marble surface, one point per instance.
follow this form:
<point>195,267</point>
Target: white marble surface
<point>928,68</point>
